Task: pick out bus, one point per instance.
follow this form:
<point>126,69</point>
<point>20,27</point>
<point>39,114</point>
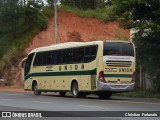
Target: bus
<point>82,68</point>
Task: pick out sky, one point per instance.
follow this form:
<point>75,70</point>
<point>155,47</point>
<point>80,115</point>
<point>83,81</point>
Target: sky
<point>45,2</point>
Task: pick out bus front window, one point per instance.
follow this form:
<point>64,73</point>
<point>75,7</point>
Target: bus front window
<point>28,64</point>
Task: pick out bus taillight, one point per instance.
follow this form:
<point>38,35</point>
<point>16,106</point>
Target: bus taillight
<point>101,77</point>
<point>133,77</point>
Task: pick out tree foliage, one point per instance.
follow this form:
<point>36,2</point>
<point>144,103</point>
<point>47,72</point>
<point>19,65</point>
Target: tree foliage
<point>17,17</point>
<point>51,3</point>
<point>84,4</point>
<point>144,17</point>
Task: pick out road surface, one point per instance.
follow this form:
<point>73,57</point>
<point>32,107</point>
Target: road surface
<point>26,101</point>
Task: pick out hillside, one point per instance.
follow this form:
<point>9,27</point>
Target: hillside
<point>74,28</point>
<point>71,28</point>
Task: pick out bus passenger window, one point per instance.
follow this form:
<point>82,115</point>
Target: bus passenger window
<point>90,53</point>
<point>48,58</point>
<point>38,59</point>
<point>78,54</point>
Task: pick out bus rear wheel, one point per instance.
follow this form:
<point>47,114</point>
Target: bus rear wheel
<point>75,90</point>
<point>104,95</point>
<point>35,89</point>
<point>62,94</point>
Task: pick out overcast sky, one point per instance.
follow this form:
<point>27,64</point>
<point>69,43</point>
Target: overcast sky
<point>45,2</point>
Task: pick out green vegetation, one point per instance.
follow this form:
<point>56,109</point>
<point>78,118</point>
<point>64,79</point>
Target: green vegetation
<point>6,83</point>
<point>117,34</point>
<point>17,47</point>
<point>98,9</point>
<point>93,39</point>
<point>105,14</point>
<point>20,20</point>
<point>139,94</point>
<point>84,4</point>
<point>144,17</point>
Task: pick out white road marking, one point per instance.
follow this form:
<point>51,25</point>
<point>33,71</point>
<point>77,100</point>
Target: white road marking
<point>6,99</point>
<point>41,102</point>
<point>89,106</point>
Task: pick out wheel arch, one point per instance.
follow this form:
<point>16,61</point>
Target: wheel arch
<point>33,82</point>
<point>74,80</point>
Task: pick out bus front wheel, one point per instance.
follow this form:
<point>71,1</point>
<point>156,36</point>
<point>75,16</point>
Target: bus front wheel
<point>75,90</point>
<point>35,89</point>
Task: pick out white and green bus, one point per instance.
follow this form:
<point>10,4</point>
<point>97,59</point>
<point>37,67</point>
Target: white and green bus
<point>81,68</point>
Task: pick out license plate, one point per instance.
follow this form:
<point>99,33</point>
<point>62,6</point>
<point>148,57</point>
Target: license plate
<point>118,86</point>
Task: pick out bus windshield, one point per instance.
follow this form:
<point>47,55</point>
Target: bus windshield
<point>118,49</point>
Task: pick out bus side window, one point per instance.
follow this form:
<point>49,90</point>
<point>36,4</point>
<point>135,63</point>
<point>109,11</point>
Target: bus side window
<point>81,53</point>
<point>64,56</point>
<point>90,53</point>
<point>70,56</point>
<point>87,54</point>
<point>67,56</point>
<point>78,54</point>
<point>44,56</point>
<point>38,59</point>
<point>93,54</point>
<point>47,58</point>
<point>54,58</point>
<point>58,57</point>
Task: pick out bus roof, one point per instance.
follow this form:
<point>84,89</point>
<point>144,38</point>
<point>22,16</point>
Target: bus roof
<point>70,45</point>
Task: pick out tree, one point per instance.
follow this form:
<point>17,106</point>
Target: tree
<point>17,17</point>
<point>144,17</point>
<point>9,15</point>
<point>51,3</point>
<point>84,4</point>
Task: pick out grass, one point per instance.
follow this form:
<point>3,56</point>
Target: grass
<point>6,83</point>
<point>105,14</point>
<point>17,47</point>
<point>93,39</point>
<point>118,34</point>
<point>139,94</point>
<point>13,46</point>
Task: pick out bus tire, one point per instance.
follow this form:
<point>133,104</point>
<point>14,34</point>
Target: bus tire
<point>75,90</point>
<point>104,95</point>
<point>35,89</point>
<point>62,94</point>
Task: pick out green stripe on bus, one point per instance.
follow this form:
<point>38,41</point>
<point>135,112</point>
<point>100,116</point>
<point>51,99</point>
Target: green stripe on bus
<point>65,73</point>
<point>118,75</point>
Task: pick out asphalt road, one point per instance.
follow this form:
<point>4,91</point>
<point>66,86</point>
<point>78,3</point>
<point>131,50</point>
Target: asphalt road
<point>26,101</point>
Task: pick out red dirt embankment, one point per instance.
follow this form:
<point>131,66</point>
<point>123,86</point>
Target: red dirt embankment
<point>74,28</point>
<point>71,28</point>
